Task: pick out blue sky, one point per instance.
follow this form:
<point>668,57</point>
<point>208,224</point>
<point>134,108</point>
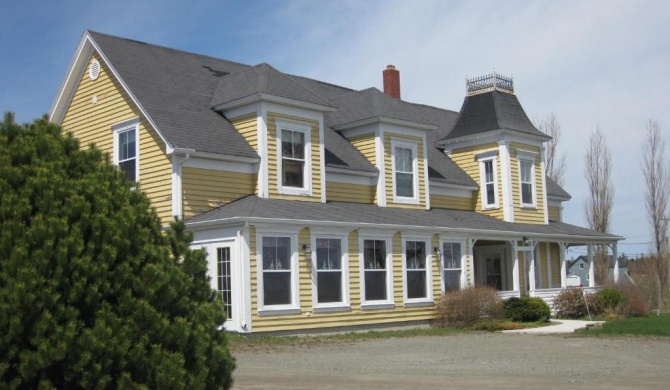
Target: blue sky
<point>592,63</point>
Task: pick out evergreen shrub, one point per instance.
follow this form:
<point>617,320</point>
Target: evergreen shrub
<point>527,309</point>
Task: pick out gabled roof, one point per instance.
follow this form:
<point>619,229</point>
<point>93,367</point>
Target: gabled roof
<point>253,208</point>
<point>175,89</point>
<point>372,104</point>
<point>491,111</point>
<point>262,79</point>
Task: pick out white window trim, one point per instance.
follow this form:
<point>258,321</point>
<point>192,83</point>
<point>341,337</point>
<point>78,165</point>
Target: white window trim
<point>413,146</point>
<point>294,306</point>
<point>485,157</point>
<point>531,159</point>
<point>306,129</point>
<point>344,305</point>
<point>131,124</point>
<point>388,303</point>
<point>429,274</point>
<point>461,242</point>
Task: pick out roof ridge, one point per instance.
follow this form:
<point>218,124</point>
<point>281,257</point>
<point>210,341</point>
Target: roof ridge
<point>168,48</point>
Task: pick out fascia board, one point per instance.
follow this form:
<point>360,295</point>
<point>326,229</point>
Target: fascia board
<point>492,234</point>
<point>75,72</point>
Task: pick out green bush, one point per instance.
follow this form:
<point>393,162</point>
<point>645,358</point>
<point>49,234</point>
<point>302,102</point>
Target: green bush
<point>93,293</point>
<point>465,308</point>
<point>611,297</point>
<point>527,309</point>
<point>571,303</point>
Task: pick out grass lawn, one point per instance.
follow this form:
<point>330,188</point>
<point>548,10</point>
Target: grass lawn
<point>652,325</point>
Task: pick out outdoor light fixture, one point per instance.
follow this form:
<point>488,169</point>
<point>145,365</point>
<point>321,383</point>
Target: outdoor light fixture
<point>308,251</point>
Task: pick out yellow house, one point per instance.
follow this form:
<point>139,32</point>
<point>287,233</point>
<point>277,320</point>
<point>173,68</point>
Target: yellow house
<point>320,206</point>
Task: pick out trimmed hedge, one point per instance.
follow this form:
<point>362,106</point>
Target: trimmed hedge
<point>527,309</point>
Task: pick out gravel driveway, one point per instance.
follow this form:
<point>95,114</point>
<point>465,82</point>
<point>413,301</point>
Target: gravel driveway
<point>501,361</point>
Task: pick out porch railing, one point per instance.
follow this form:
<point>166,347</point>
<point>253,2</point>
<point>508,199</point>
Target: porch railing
<point>509,294</point>
<point>549,294</point>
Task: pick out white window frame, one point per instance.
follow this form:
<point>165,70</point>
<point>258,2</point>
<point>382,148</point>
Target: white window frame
<point>461,242</point>
<point>118,129</point>
<point>528,159</point>
<point>428,299</point>
<point>413,146</point>
<point>484,158</point>
<point>306,129</point>
<point>294,306</point>
<point>387,303</point>
<point>344,269</point>
<point>581,265</point>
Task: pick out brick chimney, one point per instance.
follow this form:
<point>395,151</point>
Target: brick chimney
<point>392,81</point>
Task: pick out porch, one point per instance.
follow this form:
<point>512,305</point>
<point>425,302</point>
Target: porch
<point>533,268</point>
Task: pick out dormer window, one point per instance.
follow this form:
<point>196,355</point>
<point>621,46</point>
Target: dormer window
<point>405,172</point>
<point>294,168</point>
<point>489,179</point>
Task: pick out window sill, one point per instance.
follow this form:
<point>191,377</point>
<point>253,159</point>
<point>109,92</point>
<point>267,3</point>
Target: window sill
<point>402,200</point>
<point>278,311</point>
<point>529,206</point>
<point>421,303</point>
<point>490,208</point>
<point>294,191</point>
<point>331,309</point>
<point>377,306</point>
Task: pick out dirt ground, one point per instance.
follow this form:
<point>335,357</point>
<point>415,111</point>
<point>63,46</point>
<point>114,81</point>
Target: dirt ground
<point>468,361</point>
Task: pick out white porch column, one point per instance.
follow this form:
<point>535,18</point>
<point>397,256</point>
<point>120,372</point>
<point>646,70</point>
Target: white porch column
<point>592,268</point>
<point>515,267</point>
<point>561,258</point>
<point>530,251</point>
<point>615,255</point>
<point>471,259</point>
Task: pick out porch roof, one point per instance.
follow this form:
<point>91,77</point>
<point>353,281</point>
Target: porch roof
<point>253,209</point>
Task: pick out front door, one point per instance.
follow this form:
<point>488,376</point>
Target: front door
<point>493,271</point>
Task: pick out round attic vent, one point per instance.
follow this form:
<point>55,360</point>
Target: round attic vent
<point>94,70</point>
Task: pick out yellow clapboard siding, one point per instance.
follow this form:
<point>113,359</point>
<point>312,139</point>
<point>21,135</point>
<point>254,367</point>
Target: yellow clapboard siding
<point>554,213</point>
<point>388,162</point>
<point>92,123</point>
<point>555,264</point>
<point>354,316</point>
<point>544,264</point>
<point>466,159</point>
<point>205,189</point>
<point>452,202</point>
<point>273,182</point>
<point>346,192</point>
<point>248,128</point>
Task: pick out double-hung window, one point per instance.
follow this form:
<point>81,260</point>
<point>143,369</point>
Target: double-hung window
<point>329,278</point>
<point>405,171</point>
<point>126,149</point>
<point>526,173</point>
<point>376,271</point>
<point>489,180</point>
<point>279,272</point>
<point>294,167</point>
<point>451,265</point>
<point>416,271</point>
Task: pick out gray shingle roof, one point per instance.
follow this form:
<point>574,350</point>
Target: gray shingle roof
<point>263,78</point>
<point>492,111</point>
<point>368,104</point>
<point>175,88</point>
<point>555,190</point>
<point>253,207</point>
